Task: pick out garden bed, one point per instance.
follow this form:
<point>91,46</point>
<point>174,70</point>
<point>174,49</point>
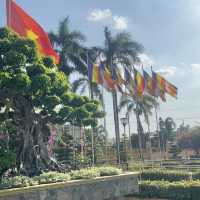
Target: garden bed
<point>170,175</point>
<point>97,188</point>
<point>56,177</point>
<point>180,190</point>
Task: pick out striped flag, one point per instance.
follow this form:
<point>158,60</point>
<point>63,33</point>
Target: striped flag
<point>171,89</point>
<point>106,77</point>
<point>139,84</point>
<point>158,86</point>
<point>129,82</point>
<point>148,83</point>
<point>96,74</point>
<point>117,79</point>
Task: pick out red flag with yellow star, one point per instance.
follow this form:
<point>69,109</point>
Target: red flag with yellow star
<point>20,22</point>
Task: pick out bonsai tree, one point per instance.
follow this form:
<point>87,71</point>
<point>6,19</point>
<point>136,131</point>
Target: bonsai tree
<point>33,95</point>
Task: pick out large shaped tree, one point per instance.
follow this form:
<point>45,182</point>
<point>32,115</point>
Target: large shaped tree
<point>33,95</point>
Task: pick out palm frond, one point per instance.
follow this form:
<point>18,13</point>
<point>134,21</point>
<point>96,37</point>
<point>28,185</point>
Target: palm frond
<point>97,91</point>
<point>77,36</point>
<point>53,38</point>
<point>83,89</point>
<point>125,101</point>
<point>79,64</point>
<point>78,83</point>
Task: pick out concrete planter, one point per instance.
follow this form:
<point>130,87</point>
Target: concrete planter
<point>103,188</point>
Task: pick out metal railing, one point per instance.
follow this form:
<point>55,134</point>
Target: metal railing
<point>184,164</point>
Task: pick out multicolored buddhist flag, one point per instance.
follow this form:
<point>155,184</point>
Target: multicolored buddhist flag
<point>139,84</point>
<point>129,82</point>
<point>90,72</point>
<point>20,22</point>
<point>161,82</point>
<point>106,77</point>
<point>117,79</point>
<point>154,81</point>
<point>148,83</point>
<point>127,76</point>
<point>96,77</point>
<point>171,89</point>
<point>158,85</point>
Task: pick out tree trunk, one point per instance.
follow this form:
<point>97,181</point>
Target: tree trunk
<point>139,134</point>
<point>28,158</point>
<point>116,120</point>
<point>34,155</point>
<point>129,132</point>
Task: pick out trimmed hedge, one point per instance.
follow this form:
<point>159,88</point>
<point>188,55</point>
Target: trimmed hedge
<point>17,182</point>
<point>55,177</point>
<point>196,175</point>
<point>166,175</point>
<point>182,190</point>
<point>94,172</point>
<point>52,177</point>
<point>169,175</point>
<point>109,171</point>
<point>85,174</point>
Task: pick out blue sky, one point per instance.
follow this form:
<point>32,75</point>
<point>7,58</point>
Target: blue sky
<point>168,30</point>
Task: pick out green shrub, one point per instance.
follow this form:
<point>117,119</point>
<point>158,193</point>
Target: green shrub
<point>52,177</point>
<point>196,175</point>
<point>85,174</point>
<point>182,190</point>
<point>18,181</point>
<point>167,175</point>
<point>7,160</point>
<point>109,171</point>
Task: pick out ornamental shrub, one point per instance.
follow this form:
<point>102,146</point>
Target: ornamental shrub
<point>52,177</point>
<point>7,160</point>
<point>85,174</point>
<point>18,181</point>
<point>109,171</point>
<point>180,190</point>
<point>55,177</point>
<point>166,175</point>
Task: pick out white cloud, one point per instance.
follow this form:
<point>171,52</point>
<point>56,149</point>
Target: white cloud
<point>120,23</point>
<point>167,71</point>
<point>108,18</point>
<point>195,66</point>
<point>99,15</point>
<point>146,60</point>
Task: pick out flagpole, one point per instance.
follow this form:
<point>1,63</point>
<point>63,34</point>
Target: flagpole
<point>104,124</point>
<point>92,97</point>
<point>116,118</point>
<point>128,117</point>
<point>157,127</point>
<point>8,12</point>
<point>129,131</point>
<point>148,124</point>
<point>138,118</point>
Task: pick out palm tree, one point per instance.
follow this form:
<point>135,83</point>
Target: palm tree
<point>166,134</point>
<point>139,107</point>
<point>83,84</point>
<point>69,46</point>
<point>74,57</point>
<point>119,50</point>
